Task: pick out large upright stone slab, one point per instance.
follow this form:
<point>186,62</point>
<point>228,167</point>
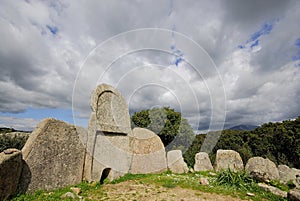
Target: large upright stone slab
<point>262,169</point>
<point>149,155</point>
<point>202,162</point>
<point>111,110</point>
<point>109,130</point>
<point>228,159</point>
<point>10,171</point>
<point>54,155</point>
<point>176,162</point>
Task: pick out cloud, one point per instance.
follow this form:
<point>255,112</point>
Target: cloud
<point>24,124</point>
<point>250,12</point>
<point>53,53</point>
<point>254,97</point>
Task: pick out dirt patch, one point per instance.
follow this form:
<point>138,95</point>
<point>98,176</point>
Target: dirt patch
<point>133,190</point>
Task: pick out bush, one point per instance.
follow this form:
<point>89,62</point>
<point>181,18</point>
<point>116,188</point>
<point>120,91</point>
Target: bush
<point>239,180</point>
<point>12,141</point>
<point>278,142</point>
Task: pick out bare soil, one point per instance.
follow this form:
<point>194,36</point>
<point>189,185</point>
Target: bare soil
<point>133,190</point>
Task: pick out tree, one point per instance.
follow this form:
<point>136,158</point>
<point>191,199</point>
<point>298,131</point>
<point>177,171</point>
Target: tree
<point>189,155</point>
<point>280,142</point>
<point>174,131</point>
<point>8,140</point>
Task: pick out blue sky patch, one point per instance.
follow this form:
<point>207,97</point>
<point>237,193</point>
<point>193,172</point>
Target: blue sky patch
<point>177,54</point>
<point>266,29</point>
<point>297,42</point>
<point>254,44</point>
<point>178,60</point>
<point>296,57</point>
<point>52,29</point>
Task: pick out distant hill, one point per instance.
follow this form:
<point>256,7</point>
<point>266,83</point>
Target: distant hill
<point>6,130</point>
<point>243,127</point>
<point>10,130</point>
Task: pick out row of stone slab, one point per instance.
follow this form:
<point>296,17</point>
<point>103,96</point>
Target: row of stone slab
<point>13,167</point>
<point>260,168</point>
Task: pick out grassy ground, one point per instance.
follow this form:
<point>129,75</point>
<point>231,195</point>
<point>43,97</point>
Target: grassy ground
<point>165,186</point>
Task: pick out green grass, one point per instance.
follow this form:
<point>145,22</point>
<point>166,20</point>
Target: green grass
<point>128,177</point>
<point>225,183</point>
<point>86,188</point>
<point>279,185</point>
<point>238,180</point>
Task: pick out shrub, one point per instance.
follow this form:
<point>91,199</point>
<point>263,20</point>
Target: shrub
<point>7,141</point>
<point>239,180</point>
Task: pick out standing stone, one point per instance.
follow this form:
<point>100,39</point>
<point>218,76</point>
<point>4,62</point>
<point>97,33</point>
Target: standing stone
<point>262,169</point>
<point>176,162</point>
<point>149,155</point>
<point>10,171</point>
<point>54,155</point>
<point>111,110</point>
<point>228,159</point>
<point>202,162</point>
<point>287,174</point>
<point>108,141</point>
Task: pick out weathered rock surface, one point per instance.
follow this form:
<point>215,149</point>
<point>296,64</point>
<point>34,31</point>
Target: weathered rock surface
<point>10,170</point>
<point>111,111</point>
<point>176,162</point>
<point>262,169</point>
<point>76,190</point>
<point>250,194</point>
<point>202,162</point>
<point>273,190</point>
<point>228,159</point>
<point>108,142</point>
<point>54,155</point>
<point>294,195</point>
<point>204,181</point>
<point>287,174</point>
<point>68,195</point>
<point>149,155</point>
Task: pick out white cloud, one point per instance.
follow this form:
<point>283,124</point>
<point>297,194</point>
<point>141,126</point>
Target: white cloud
<point>24,124</point>
<point>44,43</point>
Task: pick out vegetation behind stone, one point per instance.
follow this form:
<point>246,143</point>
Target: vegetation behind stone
<point>10,138</point>
<point>280,142</point>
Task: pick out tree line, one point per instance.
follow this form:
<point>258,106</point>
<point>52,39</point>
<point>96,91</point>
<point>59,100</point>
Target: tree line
<point>280,141</point>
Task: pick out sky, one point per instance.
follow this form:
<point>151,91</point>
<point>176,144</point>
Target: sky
<point>220,63</point>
